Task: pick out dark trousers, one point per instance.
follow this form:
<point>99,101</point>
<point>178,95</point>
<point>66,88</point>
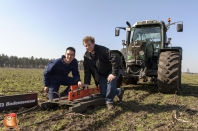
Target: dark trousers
<point>54,88</point>
<point>108,90</point>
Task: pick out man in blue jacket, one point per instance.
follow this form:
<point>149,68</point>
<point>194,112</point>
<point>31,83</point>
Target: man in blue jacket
<point>56,74</point>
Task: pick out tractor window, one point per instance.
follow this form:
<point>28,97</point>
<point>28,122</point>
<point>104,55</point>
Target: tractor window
<point>148,34</point>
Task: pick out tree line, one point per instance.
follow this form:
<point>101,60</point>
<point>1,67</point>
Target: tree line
<point>24,62</point>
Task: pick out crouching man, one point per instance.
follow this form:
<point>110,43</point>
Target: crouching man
<point>103,65</point>
<point>56,74</point>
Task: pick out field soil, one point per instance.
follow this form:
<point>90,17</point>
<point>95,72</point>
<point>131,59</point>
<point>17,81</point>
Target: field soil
<point>143,107</point>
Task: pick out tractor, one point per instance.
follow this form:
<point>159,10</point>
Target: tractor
<point>148,53</point>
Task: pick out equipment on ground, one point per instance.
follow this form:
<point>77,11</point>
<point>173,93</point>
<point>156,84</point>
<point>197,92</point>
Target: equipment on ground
<point>149,53</point>
<point>79,99</point>
<point>77,92</point>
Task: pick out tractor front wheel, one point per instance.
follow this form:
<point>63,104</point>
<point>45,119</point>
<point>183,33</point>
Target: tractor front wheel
<point>169,72</point>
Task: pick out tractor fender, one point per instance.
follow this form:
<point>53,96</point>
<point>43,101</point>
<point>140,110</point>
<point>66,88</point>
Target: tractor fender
<point>120,55</point>
<point>179,49</point>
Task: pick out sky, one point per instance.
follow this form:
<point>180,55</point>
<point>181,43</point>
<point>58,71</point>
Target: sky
<point>45,28</point>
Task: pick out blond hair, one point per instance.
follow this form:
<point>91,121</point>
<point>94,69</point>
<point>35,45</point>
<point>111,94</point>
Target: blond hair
<point>88,38</point>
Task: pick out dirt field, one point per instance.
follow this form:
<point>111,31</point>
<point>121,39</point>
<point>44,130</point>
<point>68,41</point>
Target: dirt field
<point>142,109</point>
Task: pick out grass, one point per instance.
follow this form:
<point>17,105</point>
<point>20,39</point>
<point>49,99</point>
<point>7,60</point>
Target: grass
<point>143,108</point>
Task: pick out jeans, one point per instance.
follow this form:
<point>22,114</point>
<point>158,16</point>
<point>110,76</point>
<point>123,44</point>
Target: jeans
<point>108,90</point>
<point>54,88</point>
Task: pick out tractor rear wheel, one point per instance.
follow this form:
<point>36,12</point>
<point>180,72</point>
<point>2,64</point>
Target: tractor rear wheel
<point>169,72</point>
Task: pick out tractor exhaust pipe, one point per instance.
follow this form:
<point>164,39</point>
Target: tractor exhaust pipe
<point>128,34</point>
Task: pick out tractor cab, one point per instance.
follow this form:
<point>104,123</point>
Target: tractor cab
<point>145,44</point>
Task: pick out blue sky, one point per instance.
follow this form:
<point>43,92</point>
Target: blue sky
<point>45,28</point>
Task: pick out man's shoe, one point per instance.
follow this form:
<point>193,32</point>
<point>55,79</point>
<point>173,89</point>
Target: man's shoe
<point>121,94</point>
<point>110,106</point>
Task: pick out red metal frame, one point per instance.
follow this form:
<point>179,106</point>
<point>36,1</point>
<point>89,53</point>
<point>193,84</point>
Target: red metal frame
<point>77,92</point>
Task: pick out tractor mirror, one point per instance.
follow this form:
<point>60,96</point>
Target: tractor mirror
<point>117,32</point>
<point>179,27</point>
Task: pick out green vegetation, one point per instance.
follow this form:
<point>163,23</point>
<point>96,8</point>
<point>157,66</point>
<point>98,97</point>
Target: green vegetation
<point>24,62</point>
<point>143,108</point>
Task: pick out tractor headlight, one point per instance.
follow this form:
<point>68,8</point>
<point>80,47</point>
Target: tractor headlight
<point>143,22</point>
<point>139,23</point>
<point>141,52</point>
<point>154,21</point>
<point>149,22</point>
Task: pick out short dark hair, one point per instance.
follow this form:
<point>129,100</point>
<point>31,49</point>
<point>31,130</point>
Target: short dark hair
<point>71,49</point>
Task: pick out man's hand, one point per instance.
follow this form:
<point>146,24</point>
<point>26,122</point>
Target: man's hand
<point>80,84</point>
<point>110,77</point>
<point>46,89</point>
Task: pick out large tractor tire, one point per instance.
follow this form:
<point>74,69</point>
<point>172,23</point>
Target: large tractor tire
<point>121,59</point>
<point>119,82</point>
<point>169,72</point>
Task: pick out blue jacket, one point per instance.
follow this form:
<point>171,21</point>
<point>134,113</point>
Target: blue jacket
<point>57,71</point>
